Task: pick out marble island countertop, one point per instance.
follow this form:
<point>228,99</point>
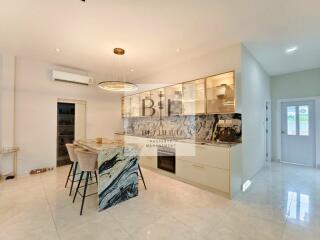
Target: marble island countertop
<point>184,140</point>
<point>106,144</point>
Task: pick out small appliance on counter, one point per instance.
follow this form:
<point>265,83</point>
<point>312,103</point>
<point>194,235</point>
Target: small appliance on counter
<point>228,131</point>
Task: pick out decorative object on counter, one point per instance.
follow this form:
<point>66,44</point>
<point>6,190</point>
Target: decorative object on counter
<point>119,83</point>
<point>200,127</point>
<point>14,151</point>
<point>99,140</point>
<point>228,131</point>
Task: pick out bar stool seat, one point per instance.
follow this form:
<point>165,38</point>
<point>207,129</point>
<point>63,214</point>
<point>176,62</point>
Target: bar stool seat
<point>88,163</point>
<point>74,165</point>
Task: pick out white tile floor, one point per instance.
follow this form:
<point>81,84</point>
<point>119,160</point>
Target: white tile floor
<point>283,203</point>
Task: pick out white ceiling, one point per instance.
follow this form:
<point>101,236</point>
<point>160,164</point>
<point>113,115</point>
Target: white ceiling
<point>151,31</point>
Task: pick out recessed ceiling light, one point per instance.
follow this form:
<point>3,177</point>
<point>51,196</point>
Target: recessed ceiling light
<point>178,50</point>
<point>291,50</point>
<point>58,50</point>
<point>131,70</point>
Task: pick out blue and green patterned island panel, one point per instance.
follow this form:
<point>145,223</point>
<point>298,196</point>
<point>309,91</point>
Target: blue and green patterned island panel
<point>118,176</point>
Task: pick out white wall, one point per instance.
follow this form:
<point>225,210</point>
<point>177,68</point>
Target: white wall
<point>36,112</point>
<point>255,92</point>
<point>294,85</point>
<point>7,86</point>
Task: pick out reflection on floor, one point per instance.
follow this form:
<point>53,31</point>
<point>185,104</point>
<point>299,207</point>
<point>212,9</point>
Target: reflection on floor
<point>282,203</point>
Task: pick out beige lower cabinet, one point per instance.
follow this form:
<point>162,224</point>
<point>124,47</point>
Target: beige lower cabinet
<point>213,167</point>
<point>210,167</point>
<point>203,174</point>
<point>149,162</point>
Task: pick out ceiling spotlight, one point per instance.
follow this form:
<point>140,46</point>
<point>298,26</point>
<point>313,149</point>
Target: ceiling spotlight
<point>178,50</point>
<point>131,70</point>
<point>291,50</point>
<point>58,50</point>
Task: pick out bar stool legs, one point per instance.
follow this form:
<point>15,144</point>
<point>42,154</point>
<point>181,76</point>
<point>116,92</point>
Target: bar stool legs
<point>69,174</point>
<point>75,195</point>
<point>84,194</point>
<point>74,174</point>
<point>95,174</point>
<point>141,175</point>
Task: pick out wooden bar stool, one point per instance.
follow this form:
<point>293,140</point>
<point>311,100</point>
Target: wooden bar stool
<point>74,165</point>
<point>88,163</point>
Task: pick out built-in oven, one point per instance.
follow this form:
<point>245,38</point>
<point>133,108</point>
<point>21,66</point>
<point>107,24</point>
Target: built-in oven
<point>167,159</point>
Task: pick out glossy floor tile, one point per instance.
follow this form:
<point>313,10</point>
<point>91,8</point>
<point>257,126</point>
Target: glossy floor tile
<point>282,203</point>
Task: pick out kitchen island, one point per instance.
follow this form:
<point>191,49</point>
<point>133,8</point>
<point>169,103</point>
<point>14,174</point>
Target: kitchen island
<point>117,170</point>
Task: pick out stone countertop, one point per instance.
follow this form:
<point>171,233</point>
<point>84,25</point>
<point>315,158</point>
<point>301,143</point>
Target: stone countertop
<point>106,144</point>
<point>190,141</point>
<point>215,144</point>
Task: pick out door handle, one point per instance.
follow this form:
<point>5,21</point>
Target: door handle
<point>283,132</point>
<point>197,166</point>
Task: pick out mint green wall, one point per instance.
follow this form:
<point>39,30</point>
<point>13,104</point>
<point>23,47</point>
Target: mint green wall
<point>294,85</point>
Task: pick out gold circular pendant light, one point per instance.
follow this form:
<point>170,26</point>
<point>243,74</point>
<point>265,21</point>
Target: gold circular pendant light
<point>117,85</point>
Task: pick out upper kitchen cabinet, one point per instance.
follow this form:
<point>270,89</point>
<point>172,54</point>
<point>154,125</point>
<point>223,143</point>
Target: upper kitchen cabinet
<point>159,102</point>
<point>146,105</point>
<point>135,105</point>
<point>194,97</point>
<point>220,90</point>
<point>125,102</point>
<point>173,95</point>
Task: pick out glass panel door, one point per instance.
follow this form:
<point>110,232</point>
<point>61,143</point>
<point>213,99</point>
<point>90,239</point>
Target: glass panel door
<point>304,120</point>
<point>194,97</point>
<point>174,99</point>
<point>221,93</point>
<point>298,132</point>
<point>291,120</point>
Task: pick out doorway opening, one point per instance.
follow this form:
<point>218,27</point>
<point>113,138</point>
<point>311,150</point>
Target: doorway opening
<point>65,131</point>
<point>298,133</point>
<point>71,126</point>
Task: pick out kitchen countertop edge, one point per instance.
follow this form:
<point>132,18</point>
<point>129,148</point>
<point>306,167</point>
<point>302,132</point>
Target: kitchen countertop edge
<point>189,141</point>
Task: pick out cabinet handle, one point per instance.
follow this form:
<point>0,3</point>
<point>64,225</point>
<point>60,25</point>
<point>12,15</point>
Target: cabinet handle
<point>198,166</point>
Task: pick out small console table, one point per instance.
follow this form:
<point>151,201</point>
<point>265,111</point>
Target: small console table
<point>14,151</point>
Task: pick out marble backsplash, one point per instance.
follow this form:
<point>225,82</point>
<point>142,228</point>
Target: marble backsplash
<point>200,127</point>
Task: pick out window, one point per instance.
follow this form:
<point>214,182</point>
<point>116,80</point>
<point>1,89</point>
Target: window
<point>291,120</point>
<point>304,120</point>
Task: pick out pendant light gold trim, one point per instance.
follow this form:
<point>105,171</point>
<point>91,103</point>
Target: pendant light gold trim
<point>119,51</point>
<point>118,86</point>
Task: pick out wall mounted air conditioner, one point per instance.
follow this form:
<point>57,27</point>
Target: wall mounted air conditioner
<point>71,77</point>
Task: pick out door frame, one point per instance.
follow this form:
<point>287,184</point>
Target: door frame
<point>317,126</point>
